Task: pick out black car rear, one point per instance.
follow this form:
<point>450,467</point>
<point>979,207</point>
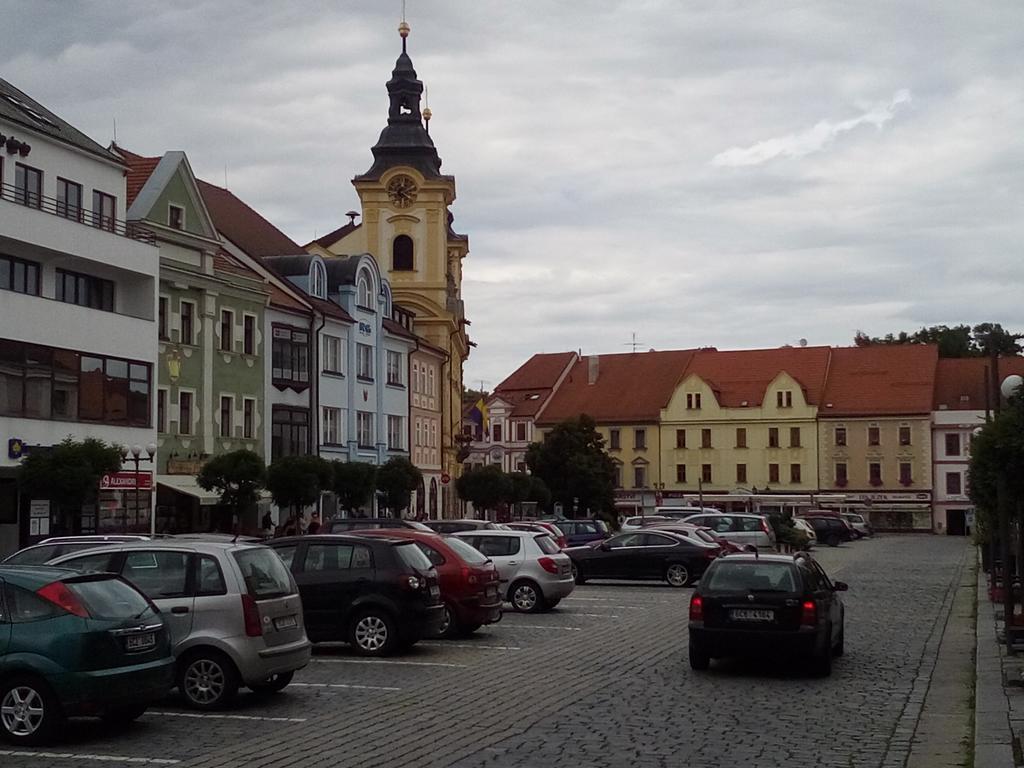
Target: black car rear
<point>830,530</point>
<point>767,605</point>
<point>379,594</point>
<point>349,524</point>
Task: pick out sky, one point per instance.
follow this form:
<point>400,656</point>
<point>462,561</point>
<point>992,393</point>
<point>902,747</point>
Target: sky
<point>729,173</point>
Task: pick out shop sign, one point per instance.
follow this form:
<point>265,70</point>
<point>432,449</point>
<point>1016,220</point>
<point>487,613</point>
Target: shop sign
<point>125,481</point>
<point>872,497</point>
<point>365,329</point>
<point>445,478</point>
<point>184,466</point>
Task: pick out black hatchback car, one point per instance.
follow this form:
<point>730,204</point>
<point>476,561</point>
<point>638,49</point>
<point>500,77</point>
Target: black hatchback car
<point>660,555</point>
<point>767,605</point>
<point>830,530</point>
<point>380,595</point>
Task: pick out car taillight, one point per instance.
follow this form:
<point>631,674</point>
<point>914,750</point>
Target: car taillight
<point>809,614</point>
<point>764,527</point>
<point>468,575</point>
<point>57,593</point>
<point>548,565</point>
<point>251,614</point>
<point>696,608</point>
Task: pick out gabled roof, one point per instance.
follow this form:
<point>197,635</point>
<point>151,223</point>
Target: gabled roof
<point>140,168</point>
<point>326,241</point>
<point>960,382</point>
<point>243,226</point>
<point>630,387</point>
<point>541,370</point>
<point>880,380</point>
<point>740,377</point>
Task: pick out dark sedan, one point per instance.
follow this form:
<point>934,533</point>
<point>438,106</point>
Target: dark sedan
<point>641,555</point>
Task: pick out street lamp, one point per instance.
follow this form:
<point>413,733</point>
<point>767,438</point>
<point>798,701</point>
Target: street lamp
<point>134,455</point>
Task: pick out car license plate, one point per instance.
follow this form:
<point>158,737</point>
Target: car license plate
<point>435,591</point>
<point>491,592</point>
<point>140,642</point>
<point>286,622</point>
<point>751,614</point>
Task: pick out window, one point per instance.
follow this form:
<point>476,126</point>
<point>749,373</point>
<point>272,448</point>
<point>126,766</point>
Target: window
<point>28,185</point>
<point>773,437</point>
<point>430,382</point>
<point>248,334</point>
<point>680,473</point>
<point>19,275</point>
<point>741,437</point>
<point>419,433</point>
<point>227,330</point>
<point>954,484</point>
<point>680,438</point>
<point>248,418</point>
<point>794,473</point>
<point>874,436</point>
<point>952,444</point>
<point>705,438</point>
<point>364,359</point>
<point>401,254</point>
<point>639,439</point>
<point>184,413</point>
<point>162,328</point>
<point>157,574</point>
<point>396,433</point>
<point>840,435</point>
<point>332,354</point>
<point>496,432</point>
<point>364,429</point>
<point>318,282</point>
<point>395,373</point>
<point>693,401</point>
<point>784,398</point>
<point>161,410</point>
<point>520,431</point>
<point>617,476</point>
<point>175,217</point>
<point>875,473</point>
<point>741,473</point>
<point>433,434</point>
<point>773,473</point>
<point>639,476</point>
<point>906,473</point>
<point>84,290</point>
<point>794,437</point>
<point>289,432</point>
<point>841,477</point>
<point>69,199</point>
<point>188,315</point>
<point>705,473</point>
<point>209,580</point>
<point>104,210</point>
<point>328,557</point>
<point>227,413</point>
<point>364,299</point>
<point>332,426</point>
<point>613,439</point>
<point>290,358</point>
<point>904,435</point>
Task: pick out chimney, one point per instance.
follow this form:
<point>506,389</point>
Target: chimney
<point>592,369</point>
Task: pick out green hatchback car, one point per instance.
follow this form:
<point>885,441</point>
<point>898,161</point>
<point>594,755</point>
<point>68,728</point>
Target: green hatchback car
<point>76,644</point>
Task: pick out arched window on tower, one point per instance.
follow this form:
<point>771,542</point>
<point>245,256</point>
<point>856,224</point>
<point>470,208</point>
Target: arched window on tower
<point>401,254</point>
<point>363,296</point>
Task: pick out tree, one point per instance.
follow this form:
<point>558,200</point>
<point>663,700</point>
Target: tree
<point>573,464</point>
<point>68,475</point>
<point>396,480</point>
<point>238,477</point>
<point>955,341</point>
<point>297,481</point>
<point>354,483</point>
<point>486,487</point>
<point>997,450</point>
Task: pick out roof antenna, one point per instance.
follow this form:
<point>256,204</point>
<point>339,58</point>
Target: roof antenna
<point>634,343</point>
<point>352,216</point>
<point>427,114</point>
<point>403,28</point>
<point>115,130</point>
<point>225,175</point>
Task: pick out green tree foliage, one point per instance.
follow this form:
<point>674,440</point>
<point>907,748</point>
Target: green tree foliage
<point>998,448</point>
<point>238,477</point>
<point>956,341</point>
<point>68,474</point>
<point>297,481</point>
<point>396,480</point>
<point>573,464</point>
<point>354,483</point>
<point>486,487</point>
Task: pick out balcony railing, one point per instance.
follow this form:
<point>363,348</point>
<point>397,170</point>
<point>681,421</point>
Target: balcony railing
<point>77,213</point>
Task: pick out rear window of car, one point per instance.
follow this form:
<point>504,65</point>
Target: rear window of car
<point>110,599</point>
<point>749,524</point>
<point>264,573</point>
<point>466,552</point>
<point>413,557</point>
<point>546,544</point>
<point>32,556</point>
<point>752,576</point>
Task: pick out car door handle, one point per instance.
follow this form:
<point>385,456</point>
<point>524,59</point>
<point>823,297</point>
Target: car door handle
<point>513,562</point>
<point>179,609</point>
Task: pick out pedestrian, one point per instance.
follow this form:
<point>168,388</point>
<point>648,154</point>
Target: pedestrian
<point>314,524</point>
<point>267,525</point>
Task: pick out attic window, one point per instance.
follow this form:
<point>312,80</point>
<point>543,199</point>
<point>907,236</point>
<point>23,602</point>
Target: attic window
<point>533,397</point>
<point>28,110</point>
<point>175,217</point>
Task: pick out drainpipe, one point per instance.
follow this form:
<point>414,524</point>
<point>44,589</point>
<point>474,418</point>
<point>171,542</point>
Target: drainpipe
<point>314,432</point>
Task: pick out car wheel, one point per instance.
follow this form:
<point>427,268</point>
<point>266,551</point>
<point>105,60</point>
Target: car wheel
<point>449,624</point>
<point>677,575</point>
<point>576,575</point>
<point>207,680</point>
<point>823,663</point>
<point>373,633</point>
<point>274,684</point>
<point>123,715</point>
<point>699,658</point>
<point>526,597</point>
<point>29,712</point>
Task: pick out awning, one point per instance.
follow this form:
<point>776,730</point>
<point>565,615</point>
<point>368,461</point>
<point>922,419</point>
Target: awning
<point>187,484</point>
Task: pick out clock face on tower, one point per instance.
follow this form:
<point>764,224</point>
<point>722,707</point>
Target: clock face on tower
<point>402,191</point>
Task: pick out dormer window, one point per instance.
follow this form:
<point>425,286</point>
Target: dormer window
<point>363,295</point>
<point>175,217</point>
<point>784,398</point>
<point>318,281</point>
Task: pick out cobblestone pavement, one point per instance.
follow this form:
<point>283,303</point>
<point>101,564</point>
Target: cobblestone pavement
<point>601,681</point>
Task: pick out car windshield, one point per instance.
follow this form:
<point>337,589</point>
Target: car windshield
<point>467,553</point>
<point>413,556</point>
<point>547,544</point>
<point>749,576</point>
<point>110,598</point>
<point>264,573</point>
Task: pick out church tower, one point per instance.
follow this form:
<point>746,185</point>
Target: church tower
<point>407,226</point>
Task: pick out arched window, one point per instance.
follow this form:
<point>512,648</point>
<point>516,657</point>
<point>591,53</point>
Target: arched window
<point>363,297</point>
<point>318,286</point>
<point>401,254</point>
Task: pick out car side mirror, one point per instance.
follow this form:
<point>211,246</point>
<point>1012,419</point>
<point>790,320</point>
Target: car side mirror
<point>840,586</point>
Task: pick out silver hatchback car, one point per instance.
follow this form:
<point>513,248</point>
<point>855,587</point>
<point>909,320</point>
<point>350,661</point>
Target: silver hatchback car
<point>534,572</point>
<point>232,609</point>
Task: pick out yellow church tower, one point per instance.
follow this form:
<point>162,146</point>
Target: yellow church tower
<point>407,226</point>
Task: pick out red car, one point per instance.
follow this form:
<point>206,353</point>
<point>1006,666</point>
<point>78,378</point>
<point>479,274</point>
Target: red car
<point>469,581</point>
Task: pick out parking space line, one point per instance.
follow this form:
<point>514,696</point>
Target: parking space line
<point>390,661</point>
<point>472,645</point>
<point>97,758</point>
<point>212,716</point>
<point>597,615</point>
<point>346,685</point>
<point>545,626</point>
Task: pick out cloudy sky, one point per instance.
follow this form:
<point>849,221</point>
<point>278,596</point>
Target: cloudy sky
<point>697,172</point>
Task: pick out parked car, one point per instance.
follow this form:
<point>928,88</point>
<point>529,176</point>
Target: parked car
<point>48,549</point>
<point>704,534</point>
<point>583,531</point>
<point>859,524</point>
<point>807,529</point>
<point>73,644</point>
<point>232,609</point>
<point>456,526</point>
<point>535,574</point>
<point>661,555</point>
<point>346,524</point>
<point>739,527</point>
<point>539,526</point>
<point>767,605</point>
<point>641,521</point>
<point>469,581</point>
<point>380,594</point>
<point>830,530</point>
<point>681,513</point>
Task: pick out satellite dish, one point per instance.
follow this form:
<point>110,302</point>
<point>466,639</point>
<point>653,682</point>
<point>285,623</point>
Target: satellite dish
<point>1010,385</point>
<point>803,342</point>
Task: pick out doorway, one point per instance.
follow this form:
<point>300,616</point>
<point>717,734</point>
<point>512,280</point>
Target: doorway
<point>956,522</point>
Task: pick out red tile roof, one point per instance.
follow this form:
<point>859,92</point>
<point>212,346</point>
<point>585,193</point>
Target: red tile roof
<point>740,377</point>
<point>326,241</point>
<point>880,380</point>
<point>284,300</point>
<point>225,262</point>
<point>243,226</point>
<point>530,386</point>
<point>960,382</point>
<point>630,388</point>
<point>140,168</point>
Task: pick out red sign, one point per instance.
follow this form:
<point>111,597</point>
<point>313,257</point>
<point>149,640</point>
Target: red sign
<point>445,478</point>
<point>125,481</point>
